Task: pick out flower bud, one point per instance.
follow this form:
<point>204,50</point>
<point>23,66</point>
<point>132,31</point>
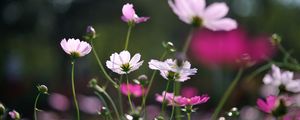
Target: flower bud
<point>169,46</point>
<point>143,80</point>
<point>276,39</point>
<point>14,115</point>
<point>2,109</point>
<point>43,89</point>
<point>93,82</point>
<point>91,33</point>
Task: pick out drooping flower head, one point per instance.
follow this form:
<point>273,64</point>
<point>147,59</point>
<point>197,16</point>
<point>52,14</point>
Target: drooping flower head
<point>75,47</point>
<point>130,16</point>
<point>194,12</point>
<point>122,63</point>
<point>185,101</point>
<point>170,70</point>
<point>273,105</point>
<point>283,80</point>
<point>134,89</point>
<point>14,115</point>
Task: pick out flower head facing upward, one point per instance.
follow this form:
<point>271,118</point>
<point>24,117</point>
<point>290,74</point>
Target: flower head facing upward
<point>170,69</point>
<point>130,16</point>
<point>283,80</point>
<point>14,115</point>
<point>194,12</point>
<point>134,89</point>
<point>75,47</point>
<point>273,105</point>
<point>184,101</point>
<point>122,63</point>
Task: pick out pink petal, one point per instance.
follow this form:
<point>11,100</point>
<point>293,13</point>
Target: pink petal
<point>141,19</point>
<point>216,11</point>
<point>128,11</point>
<point>226,24</point>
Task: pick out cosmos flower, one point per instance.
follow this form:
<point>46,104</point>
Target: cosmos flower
<point>184,101</point>
<point>130,16</point>
<point>14,115</point>
<point>122,63</point>
<point>170,70</point>
<point>267,105</point>
<point>283,80</point>
<point>134,89</point>
<point>169,97</point>
<point>212,17</point>
<point>75,47</point>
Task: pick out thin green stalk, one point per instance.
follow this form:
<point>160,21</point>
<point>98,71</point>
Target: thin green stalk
<point>35,104</point>
<point>120,96</point>
<point>74,92</point>
<point>100,90</point>
<point>189,116</point>
<point>151,81</point>
<point>101,66</point>
<point>164,102</point>
<point>173,107</point>
<point>129,94</point>
<point>177,108</point>
<point>227,94</point>
<point>128,36</point>
<point>188,41</point>
<point>104,104</point>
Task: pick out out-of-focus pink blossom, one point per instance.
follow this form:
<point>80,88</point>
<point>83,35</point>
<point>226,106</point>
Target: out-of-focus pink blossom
<point>134,89</point>
<point>89,104</point>
<point>59,102</point>
<point>267,105</point>
<point>43,115</point>
<point>129,15</point>
<point>189,92</point>
<point>211,17</point>
<point>169,97</point>
<point>184,101</point>
<point>14,115</point>
<point>225,48</point>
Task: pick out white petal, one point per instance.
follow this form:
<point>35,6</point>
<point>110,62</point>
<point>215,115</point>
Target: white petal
<point>115,58</point>
<point>267,79</point>
<point>197,6</point>
<point>158,65</point>
<point>183,15</point>
<point>225,24</point>
<point>276,72</point>
<point>216,11</point>
<point>125,57</point>
<point>293,86</point>
<point>136,58</point>
<point>73,44</point>
<point>64,45</point>
<point>136,66</point>
<point>286,77</point>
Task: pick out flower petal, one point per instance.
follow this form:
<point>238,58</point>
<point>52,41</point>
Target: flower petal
<point>124,57</point>
<point>216,11</point>
<point>226,24</point>
<point>128,11</point>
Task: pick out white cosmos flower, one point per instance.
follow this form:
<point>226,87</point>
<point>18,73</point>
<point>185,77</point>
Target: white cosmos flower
<point>122,63</point>
<point>282,80</point>
<point>75,47</point>
<point>195,12</point>
<point>170,70</point>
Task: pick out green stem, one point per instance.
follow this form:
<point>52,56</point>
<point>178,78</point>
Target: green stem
<point>227,94</point>
<point>189,116</point>
<point>104,104</point>
<point>101,66</point>
<point>151,81</point>
<point>74,92</point>
<point>164,98</point>
<point>127,37</point>
<point>173,107</point>
<point>120,96</point>
<point>35,104</point>
<point>177,108</point>
<point>188,41</point>
<point>129,94</point>
<point>100,90</point>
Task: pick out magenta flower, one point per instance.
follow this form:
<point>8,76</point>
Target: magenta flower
<point>267,105</point>
<point>14,115</point>
<point>130,16</point>
<point>134,89</point>
<point>75,47</point>
<point>225,48</point>
<point>189,92</point>
<point>184,101</point>
<point>212,17</point>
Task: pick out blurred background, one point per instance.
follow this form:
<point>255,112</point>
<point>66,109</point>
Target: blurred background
<point>31,31</point>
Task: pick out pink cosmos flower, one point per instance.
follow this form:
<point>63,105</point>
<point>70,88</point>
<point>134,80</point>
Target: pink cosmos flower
<point>129,15</point>
<point>211,17</point>
<point>75,47</point>
<point>225,48</point>
<point>134,89</point>
<point>14,115</point>
<point>184,101</point>
<point>267,105</point>
<point>169,97</point>
<point>59,102</point>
